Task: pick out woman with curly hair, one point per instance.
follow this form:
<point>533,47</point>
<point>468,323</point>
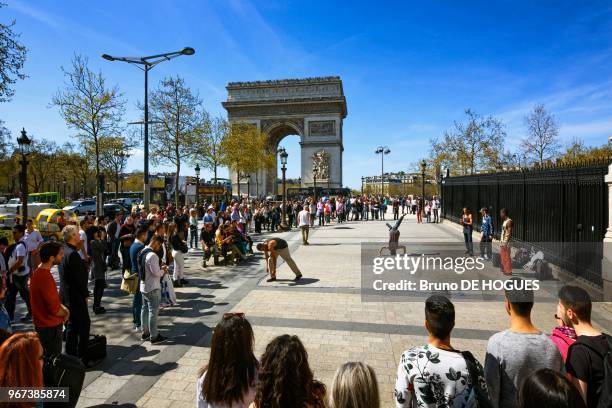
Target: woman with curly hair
<point>230,378</point>
<point>285,378</point>
<point>21,364</point>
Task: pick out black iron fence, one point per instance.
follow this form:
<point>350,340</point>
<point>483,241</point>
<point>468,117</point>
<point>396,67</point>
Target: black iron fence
<point>561,209</point>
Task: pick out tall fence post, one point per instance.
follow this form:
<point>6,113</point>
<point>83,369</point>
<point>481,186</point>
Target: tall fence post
<point>606,268</point>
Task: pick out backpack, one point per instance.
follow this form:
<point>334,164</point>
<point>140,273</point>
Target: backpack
<point>9,254</point>
<point>481,394</point>
<point>605,391</point>
<point>605,395</point>
<point>142,257</point>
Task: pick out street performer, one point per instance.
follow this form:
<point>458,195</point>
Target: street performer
<point>272,248</point>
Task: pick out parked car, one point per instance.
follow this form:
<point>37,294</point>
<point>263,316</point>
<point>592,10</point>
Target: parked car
<point>112,209</point>
<point>81,207</point>
<point>126,203</point>
<point>47,222</point>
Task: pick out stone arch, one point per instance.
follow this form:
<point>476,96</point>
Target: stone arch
<point>312,108</point>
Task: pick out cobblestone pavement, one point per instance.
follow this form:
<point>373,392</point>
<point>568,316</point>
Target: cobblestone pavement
<point>325,309</point>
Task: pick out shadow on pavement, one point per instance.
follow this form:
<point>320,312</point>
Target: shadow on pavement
<point>122,360</point>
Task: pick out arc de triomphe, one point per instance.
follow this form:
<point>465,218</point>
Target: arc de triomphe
<point>312,108</point>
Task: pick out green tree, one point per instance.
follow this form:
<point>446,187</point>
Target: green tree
<point>471,146</point>
<point>208,148</point>
<point>90,107</point>
<point>41,169</point>
<point>115,152</point>
<point>247,150</point>
<point>181,124</point>
<point>12,58</point>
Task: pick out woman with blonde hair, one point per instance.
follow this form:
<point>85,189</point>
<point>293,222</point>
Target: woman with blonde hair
<point>354,386</point>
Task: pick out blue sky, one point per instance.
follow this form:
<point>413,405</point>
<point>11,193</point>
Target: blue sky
<point>409,68</point>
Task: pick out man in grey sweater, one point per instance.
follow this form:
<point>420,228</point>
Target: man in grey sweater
<point>515,353</point>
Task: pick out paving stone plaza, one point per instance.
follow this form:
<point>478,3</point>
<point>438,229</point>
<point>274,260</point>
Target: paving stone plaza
<point>324,309</point>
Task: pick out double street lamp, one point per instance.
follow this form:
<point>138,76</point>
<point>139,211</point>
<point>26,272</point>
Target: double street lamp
<point>197,192</point>
<point>283,157</point>
<point>382,150</point>
<point>147,63</point>
<point>25,145</point>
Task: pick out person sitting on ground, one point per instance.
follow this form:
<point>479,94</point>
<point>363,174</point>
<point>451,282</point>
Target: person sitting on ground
<point>354,386</point>
<point>21,363</point>
<point>237,239</point>
<point>585,358</point>
<point>207,240</point>
<point>285,377</point>
<point>48,312</point>
<point>518,351</point>
<point>230,378</point>
<point>548,388</point>
<point>244,236</point>
<point>436,374</point>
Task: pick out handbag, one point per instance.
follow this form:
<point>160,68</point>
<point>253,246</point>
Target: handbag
<point>167,290</point>
<point>129,282</point>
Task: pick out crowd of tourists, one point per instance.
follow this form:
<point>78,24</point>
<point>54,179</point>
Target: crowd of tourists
<point>523,367</point>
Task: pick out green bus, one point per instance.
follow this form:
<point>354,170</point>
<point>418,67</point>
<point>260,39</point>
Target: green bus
<point>48,197</point>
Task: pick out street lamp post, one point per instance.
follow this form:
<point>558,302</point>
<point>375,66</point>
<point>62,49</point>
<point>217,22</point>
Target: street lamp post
<point>147,63</point>
<point>24,144</point>
<point>283,157</point>
<point>197,194</point>
<point>315,172</point>
<point>362,178</point>
<point>382,150</point>
<point>423,168</point>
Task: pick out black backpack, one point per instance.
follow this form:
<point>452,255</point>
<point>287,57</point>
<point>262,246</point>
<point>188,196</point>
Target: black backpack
<point>142,258</point>
<point>605,391</point>
<point>482,396</point>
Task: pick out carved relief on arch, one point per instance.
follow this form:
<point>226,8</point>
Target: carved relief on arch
<point>270,124</point>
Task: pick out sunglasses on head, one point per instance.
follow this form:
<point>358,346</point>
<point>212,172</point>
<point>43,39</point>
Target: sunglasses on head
<point>230,315</point>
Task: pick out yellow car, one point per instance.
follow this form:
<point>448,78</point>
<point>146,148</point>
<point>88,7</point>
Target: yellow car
<point>46,222</point>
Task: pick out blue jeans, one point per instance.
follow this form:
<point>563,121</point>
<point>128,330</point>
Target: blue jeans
<point>150,309</point>
<point>137,308</point>
<point>467,237</point>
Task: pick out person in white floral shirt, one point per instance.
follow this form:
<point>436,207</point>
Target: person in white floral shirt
<point>436,374</point>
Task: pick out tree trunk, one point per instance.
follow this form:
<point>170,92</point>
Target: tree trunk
<point>176,184</point>
<point>215,183</point>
